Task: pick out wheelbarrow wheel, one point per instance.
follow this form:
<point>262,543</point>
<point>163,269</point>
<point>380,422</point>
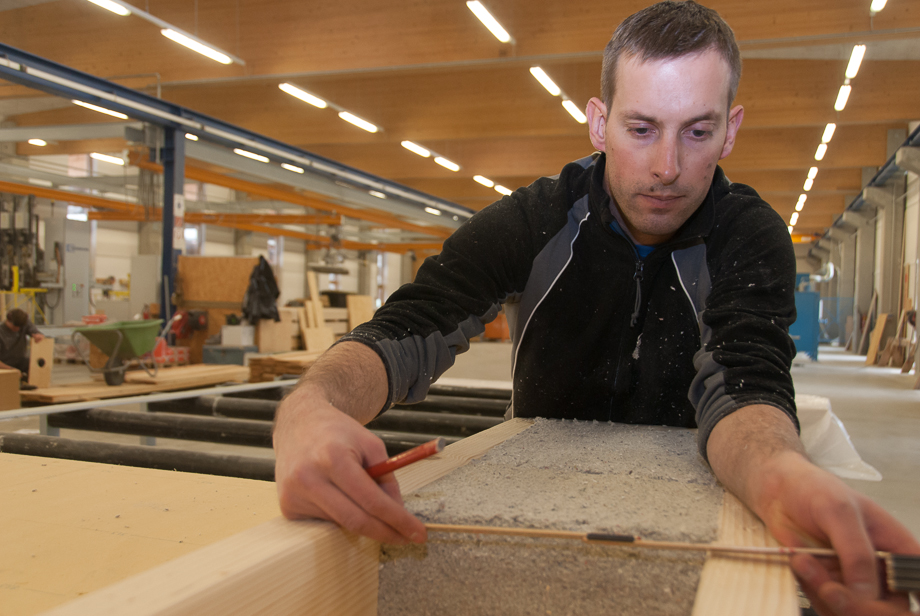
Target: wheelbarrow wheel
<point>114,371</point>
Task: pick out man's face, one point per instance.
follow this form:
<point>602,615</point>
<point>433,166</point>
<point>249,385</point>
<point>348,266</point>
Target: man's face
<point>667,127</point>
<point>10,325</point>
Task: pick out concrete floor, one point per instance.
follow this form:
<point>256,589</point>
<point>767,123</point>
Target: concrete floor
<point>878,406</point>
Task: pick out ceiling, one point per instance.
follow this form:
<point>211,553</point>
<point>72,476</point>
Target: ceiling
<point>429,72</point>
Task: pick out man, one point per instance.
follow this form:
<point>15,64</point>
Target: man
<point>14,341</point>
<point>642,287</point>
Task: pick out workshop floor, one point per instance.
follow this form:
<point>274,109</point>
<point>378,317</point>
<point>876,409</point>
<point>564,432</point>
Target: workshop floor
<point>878,406</point>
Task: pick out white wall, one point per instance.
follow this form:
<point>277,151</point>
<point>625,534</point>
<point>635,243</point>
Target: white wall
<point>114,249</point>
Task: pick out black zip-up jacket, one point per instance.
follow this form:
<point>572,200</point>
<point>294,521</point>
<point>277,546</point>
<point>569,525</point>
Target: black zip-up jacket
<point>683,337</point>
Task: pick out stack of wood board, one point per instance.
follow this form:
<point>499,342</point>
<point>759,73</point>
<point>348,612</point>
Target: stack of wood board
<point>285,567</point>
<point>280,336</point>
<point>139,383</point>
<point>268,367</point>
<point>360,310</point>
<point>337,320</point>
<point>9,389</point>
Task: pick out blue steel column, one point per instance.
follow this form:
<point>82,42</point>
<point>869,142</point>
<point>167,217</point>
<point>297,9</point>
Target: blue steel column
<point>173,158</point>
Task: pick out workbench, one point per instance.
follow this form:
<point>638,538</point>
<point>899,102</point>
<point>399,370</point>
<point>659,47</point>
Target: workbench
<point>69,528</point>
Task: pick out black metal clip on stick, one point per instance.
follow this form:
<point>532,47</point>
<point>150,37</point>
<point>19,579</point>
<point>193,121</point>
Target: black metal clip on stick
<point>902,570</point>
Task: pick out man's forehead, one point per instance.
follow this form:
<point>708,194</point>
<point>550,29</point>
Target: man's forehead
<point>709,58</point>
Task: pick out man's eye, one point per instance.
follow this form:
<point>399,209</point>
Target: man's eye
<point>700,133</point>
<point>639,131</point>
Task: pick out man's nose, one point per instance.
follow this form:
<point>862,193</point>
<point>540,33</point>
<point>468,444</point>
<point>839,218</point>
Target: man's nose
<point>666,162</point>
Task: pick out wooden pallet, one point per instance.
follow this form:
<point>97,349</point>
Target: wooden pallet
<point>268,367</point>
<point>139,383</point>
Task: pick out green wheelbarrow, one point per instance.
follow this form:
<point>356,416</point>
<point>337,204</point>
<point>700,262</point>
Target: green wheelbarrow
<point>122,341</point>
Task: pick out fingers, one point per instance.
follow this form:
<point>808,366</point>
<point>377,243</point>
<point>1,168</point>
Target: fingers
<point>846,529</point>
<point>841,601</point>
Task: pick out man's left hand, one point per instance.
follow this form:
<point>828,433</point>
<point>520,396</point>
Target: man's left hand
<point>38,337</point>
<point>756,453</point>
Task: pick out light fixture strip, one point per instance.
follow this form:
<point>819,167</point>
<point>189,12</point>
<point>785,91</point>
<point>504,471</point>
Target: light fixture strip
<point>574,111</point>
<point>165,25</point>
<point>877,5</point>
<point>252,155</point>
<point>39,142</point>
<point>842,97</point>
<point>489,22</point>
<point>855,60</point>
<point>794,219</point>
<point>812,173</point>
<point>353,119</point>
<point>416,149</point>
<point>303,95</point>
<point>821,151</point>
<point>116,8</point>
<point>293,168</point>
<point>828,133</point>
<point>484,181</point>
<point>502,190</point>
<point>98,109</point>
<point>808,184</point>
<point>545,80</point>
<point>447,164</point>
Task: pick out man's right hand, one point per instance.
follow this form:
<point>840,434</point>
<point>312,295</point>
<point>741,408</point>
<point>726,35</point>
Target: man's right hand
<point>321,457</point>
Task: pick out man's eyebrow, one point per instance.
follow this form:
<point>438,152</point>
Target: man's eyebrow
<point>711,116</point>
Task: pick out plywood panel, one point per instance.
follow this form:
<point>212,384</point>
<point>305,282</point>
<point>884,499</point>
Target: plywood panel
<point>214,279</point>
<point>41,360</point>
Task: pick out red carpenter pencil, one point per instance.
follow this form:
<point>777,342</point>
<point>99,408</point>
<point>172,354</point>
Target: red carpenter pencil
<point>405,458</point>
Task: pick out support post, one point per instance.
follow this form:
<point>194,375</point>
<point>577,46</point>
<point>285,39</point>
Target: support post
<point>173,212</point>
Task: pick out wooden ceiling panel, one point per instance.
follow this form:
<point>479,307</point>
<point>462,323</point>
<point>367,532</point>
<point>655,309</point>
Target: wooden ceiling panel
<point>427,71</point>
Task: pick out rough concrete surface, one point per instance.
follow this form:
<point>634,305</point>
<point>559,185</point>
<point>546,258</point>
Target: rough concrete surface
<point>646,481</point>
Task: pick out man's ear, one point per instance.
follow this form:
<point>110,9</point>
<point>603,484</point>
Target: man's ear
<point>597,123</point>
<point>734,123</point>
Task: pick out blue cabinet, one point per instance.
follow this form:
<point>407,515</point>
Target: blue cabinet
<point>805,330</point>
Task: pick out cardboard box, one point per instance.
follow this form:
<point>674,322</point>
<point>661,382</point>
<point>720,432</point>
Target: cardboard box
<point>237,335</point>
<point>9,390</point>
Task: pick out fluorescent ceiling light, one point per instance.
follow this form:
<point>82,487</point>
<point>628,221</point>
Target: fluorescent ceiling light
<point>112,6</point>
<point>378,194</point>
<point>38,142</point>
<point>877,5</point>
<point>191,137</point>
<point>812,173</point>
<point>431,210</point>
<point>252,155</point>
<point>293,168</point>
<point>114,114</point>
<point>488,21</point>
<point>855,60</point>
<point>574,111</point>
<point>115,160</point>
<point>545,81</point>
<point>196,45</point>
<point>808,184</point>
<point>790,229</point>
<point>822,150</point>
<point>794,219</point>
<point>501,189</point>
<point>303,95</point>
<point>800,203</point>
<point>353,119</point>
<point>828,133</point>
<point>842,97</point>
<point>414,147</point>
<point>38,182</point>
<point>447,164</point>
<point>484,181</point>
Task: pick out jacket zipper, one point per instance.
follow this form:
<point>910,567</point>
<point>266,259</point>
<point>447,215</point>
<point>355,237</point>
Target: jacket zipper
<point>637,276</point>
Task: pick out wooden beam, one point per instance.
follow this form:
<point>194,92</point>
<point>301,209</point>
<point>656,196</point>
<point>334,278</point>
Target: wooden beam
<point>69,197</point>
<point>289,196</point>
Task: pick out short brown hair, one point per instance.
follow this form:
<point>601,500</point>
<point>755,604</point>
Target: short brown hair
<point>17,317</point>
<point>669,30</point>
